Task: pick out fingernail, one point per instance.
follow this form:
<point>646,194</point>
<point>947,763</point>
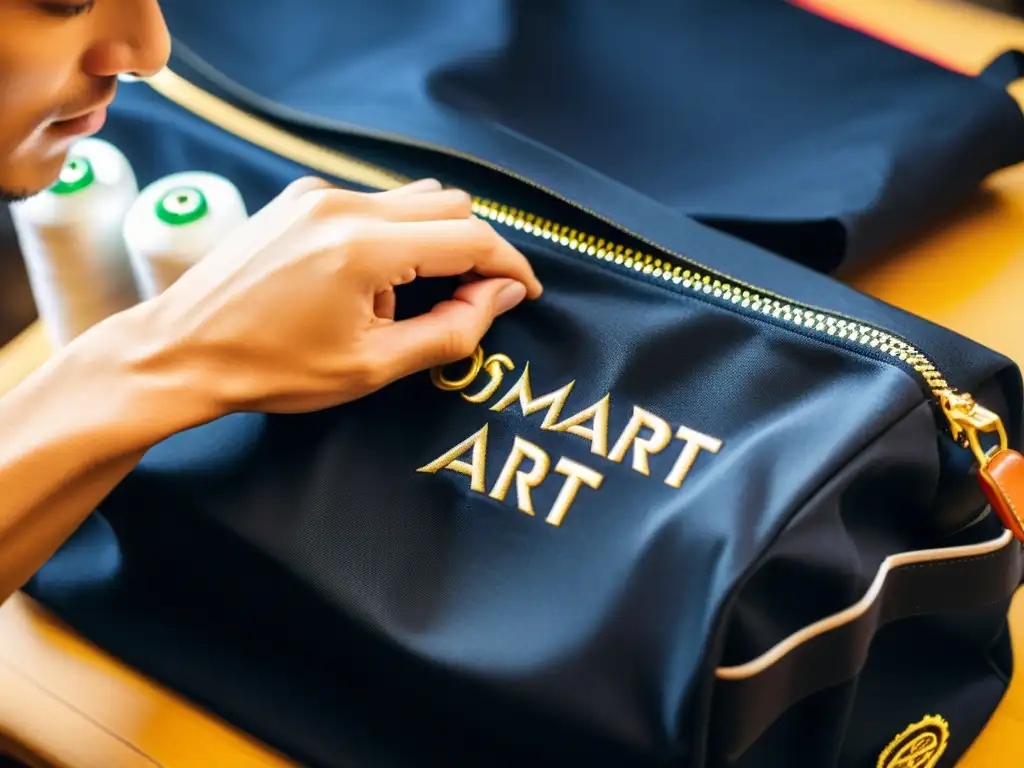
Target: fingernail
<point>510,296</point>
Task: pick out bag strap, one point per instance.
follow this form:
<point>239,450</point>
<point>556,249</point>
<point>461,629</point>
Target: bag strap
<point>1004,69</point>
<point>751,696</point>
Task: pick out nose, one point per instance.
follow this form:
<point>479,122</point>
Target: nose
<point>135,40</point>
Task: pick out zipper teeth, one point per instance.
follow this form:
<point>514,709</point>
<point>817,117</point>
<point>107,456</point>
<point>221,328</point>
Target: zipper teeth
<point>687,273</point>
<point>708,283</point>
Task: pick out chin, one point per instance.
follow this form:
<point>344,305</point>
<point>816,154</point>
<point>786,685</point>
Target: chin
<point>30,177</point>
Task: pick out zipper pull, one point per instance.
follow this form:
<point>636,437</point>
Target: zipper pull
<point>1000,469</point>
<point>967,419</point>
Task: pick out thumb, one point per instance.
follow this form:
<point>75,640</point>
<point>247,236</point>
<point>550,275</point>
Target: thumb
<point>450,331</point>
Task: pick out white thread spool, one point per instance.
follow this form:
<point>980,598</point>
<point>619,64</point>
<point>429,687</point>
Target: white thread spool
<point>70,238</point>
<point>175,222</point>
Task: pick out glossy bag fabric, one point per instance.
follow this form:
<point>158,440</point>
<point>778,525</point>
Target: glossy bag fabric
<point>811,139</point>
<point>638,535</point>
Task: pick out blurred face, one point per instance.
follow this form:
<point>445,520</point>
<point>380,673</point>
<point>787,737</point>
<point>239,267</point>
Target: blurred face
<point>59,62</point>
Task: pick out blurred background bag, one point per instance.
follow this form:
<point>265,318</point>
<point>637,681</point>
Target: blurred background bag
<point>760,118</point>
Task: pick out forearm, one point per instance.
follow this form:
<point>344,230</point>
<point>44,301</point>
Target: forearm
<point>71,431</point>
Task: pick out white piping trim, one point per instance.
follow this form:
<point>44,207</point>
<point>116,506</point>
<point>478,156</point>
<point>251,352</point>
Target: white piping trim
<point>858,609</point>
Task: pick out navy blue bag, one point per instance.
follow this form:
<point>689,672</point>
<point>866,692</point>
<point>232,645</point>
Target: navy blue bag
<point>697,506</point>
<point>764,120</point>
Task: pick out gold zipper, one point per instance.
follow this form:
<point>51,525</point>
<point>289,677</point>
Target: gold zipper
<point>967,419</point>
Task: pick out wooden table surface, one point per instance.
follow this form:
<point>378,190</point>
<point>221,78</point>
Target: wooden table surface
<point>73,706</point>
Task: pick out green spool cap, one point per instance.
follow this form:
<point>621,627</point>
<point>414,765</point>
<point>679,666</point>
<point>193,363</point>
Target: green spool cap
<point>74,176</point>
<point>182,205</point>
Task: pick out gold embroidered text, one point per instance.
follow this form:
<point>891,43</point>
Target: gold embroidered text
<point>528,465</point>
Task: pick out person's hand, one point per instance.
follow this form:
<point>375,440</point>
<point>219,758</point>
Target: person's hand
<point>295,312</point>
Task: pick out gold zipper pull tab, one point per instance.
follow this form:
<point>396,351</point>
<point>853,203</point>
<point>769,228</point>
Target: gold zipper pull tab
<point>1000,469</point>
<point>967,419</point>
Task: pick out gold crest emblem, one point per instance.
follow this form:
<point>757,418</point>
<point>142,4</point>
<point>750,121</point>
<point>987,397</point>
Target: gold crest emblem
<point>919,746</point>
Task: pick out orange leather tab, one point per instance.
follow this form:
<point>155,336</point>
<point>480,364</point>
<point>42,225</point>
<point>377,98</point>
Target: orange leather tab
<point>1003,483</point>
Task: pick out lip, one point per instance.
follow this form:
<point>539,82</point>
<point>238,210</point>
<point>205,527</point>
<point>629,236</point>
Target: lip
<point>84,125</point>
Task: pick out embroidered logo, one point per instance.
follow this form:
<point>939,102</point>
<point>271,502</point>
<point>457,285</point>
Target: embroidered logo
<point>528,465</point>
<point>921,745</point>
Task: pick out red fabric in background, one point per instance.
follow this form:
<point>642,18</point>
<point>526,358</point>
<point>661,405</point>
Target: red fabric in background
<point>847,20</point>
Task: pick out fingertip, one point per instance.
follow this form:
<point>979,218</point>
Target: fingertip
<point>509,296</point>
<point>423,185</point>
<point>533,286</point>
<point>452,203</point>
<point>303,186</point>
<point>524,270</point>
<point>461,197</point>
